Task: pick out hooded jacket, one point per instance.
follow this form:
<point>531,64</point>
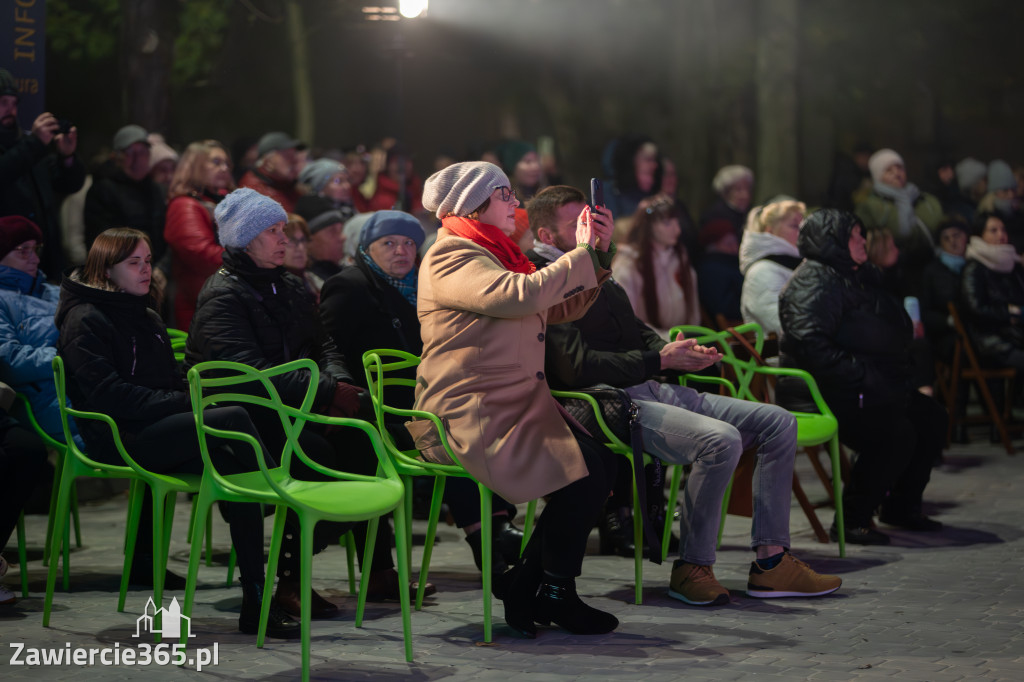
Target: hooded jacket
<point>116,200</point>
<point>118,361</point>
<point>767,262</point>
<point>839,324</point>
<point>263,317</point>
<point>28,339</point>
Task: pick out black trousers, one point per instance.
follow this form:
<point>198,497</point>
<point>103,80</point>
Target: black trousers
<point>559,539</point>
<point>171,445</point>
<point>22,466</point>
<point>896,448</point>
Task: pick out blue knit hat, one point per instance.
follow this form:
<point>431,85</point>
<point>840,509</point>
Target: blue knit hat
<point>1000,176</point>
<point>317,173</point>
<point>243,214</point>
<point>383,223</point>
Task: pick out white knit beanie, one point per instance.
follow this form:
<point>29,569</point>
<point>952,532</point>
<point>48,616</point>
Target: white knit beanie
<point>243,214</point>
<point>969,171</point>
<point>727,176</point>
<point>880,162</point>
<point>461,188</point>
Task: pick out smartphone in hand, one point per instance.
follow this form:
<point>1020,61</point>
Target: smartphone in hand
<point>596,193</point>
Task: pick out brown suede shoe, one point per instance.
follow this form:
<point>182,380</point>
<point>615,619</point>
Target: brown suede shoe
<point>383,586</point>
<point>288,600</point>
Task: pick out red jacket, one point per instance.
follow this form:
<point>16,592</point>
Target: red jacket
<point>195,252</point>
<point>284,193</point>
<point>386,195</point>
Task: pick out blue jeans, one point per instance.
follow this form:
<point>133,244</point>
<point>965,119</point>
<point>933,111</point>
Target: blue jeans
<point>682,426</point>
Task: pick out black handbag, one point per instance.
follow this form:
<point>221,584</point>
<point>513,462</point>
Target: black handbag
<point>621,416</point>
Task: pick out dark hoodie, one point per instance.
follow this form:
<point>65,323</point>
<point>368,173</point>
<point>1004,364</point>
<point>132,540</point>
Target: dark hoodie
<point>838,322</point>
<point>118,361</point>
<point>115,200</point>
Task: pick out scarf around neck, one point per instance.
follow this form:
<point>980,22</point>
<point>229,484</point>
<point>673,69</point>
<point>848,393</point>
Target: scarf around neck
<point>954,263</point>
<point>904,199</point>
<point>406,286</point>
<point>997,257</point>
<point>491,238</point>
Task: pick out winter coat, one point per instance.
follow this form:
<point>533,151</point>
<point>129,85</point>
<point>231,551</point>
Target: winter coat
<point>363,312</point>
<point>720,284</point>
<point>482,369</point>
<point>115,200</point>
<point>939,287</point>
<point>285,193</point>
<point>609,344</point>
<point>767,262</point>
<point>839,324</point>
<point>263,317</point>
<point>28,339</point>
<point>195,252</point>
<point>385,196</point>
<point>723,211</point>
<point>986,295</point>
<point>879,213</point>
<point>118,361</point>
<point>32,181</point>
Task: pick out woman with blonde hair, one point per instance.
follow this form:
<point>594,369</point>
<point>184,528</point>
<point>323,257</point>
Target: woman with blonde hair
<point>201,180</point>
<point>653,266</point>
<point>768,256</point>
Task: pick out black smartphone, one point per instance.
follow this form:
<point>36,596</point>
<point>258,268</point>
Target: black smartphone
<point>596,193</point>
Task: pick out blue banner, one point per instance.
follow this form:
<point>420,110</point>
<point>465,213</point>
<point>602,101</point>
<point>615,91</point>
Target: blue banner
<point>23,50</point>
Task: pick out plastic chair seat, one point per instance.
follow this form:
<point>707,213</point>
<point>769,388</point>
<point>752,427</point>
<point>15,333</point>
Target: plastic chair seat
<point>814,429</point>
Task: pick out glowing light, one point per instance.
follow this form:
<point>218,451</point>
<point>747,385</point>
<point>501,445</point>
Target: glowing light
<point>411,9</point>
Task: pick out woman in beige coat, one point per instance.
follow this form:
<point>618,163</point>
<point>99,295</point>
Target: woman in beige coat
<point>484,311</point>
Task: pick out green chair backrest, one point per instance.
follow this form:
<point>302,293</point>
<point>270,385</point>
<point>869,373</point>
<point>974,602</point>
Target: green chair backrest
<point>218,383</point>
<point>48,440</point>
<point>380,366</point>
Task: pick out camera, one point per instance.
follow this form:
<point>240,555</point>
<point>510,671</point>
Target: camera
<point>65,126</point>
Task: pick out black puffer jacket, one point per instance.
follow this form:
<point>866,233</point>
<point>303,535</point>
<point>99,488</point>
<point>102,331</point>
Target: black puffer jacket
<point>263,317</point>
<point>118,361</point>
<point>839,324</point>
<point>986,297</point>
<point>363,312</point>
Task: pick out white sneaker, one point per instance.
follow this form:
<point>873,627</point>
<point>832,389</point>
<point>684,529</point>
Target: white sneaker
<point>6,596</point>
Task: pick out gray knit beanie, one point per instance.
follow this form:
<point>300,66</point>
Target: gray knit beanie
<point>317,173</point>
<point>383,223</point>
<point>1000,176</point>
<point>243,214</point>
<point>461,188</point>
<point>8,86</point>
<point>968,172</point>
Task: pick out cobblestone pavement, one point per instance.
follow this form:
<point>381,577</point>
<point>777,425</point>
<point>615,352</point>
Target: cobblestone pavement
<point>941,606</point>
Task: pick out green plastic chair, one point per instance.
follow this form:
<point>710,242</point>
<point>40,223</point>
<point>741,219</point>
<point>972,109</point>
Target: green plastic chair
<point>164,487</point>
<point>812,428</point>
<point>349,497</point>
<point>59,448</point>
<point>618,446</point>
<point>179,339</point>
<point>380,366</point>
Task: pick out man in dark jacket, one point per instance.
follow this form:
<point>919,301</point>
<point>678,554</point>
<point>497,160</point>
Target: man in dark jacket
<point>610,345</point>
<point>123,194</point>
<point>32,180</point>
<point>839,324</point>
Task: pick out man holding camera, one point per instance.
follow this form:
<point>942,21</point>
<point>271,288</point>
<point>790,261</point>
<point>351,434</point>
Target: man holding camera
<point>31,177</point>
<point>610,345</point>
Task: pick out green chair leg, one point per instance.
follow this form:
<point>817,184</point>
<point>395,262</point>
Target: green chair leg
<point>404,561</point>
<point>673,496</point>
<point>428,544</point>
<point>135,497</point>
<point>232,560</point>
<point>58,467</point>
<point>74,516</point>
<point>486,538</point>
<point>60,522</point>
<point>268,582</point>
<point>22,556</point>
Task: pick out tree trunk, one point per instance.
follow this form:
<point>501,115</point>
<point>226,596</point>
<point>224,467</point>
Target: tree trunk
<point>147,50</point>
<point>303,91</point>
<point>777,105</point>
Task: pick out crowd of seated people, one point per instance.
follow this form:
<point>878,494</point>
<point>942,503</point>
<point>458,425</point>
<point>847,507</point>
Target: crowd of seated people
<point>322,258</point>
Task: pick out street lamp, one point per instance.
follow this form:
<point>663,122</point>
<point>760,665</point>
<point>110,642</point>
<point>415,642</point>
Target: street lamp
<point>410,9</point>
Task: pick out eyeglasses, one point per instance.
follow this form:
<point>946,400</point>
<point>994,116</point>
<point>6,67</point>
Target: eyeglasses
<point>25,251</point>
<point>507,193</point>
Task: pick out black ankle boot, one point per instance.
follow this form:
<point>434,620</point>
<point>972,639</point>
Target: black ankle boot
<point>507,539</point>
<point>141,574</point>
<point>520,585</point>
<point>616,532</point>
<point>498,565</point>
<point>279,624</point>
<point>558,603</point>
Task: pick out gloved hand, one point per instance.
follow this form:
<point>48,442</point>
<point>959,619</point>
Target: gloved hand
<point>346,400</point>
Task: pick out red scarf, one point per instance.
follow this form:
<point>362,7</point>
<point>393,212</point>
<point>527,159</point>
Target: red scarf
<point>492,239</point>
